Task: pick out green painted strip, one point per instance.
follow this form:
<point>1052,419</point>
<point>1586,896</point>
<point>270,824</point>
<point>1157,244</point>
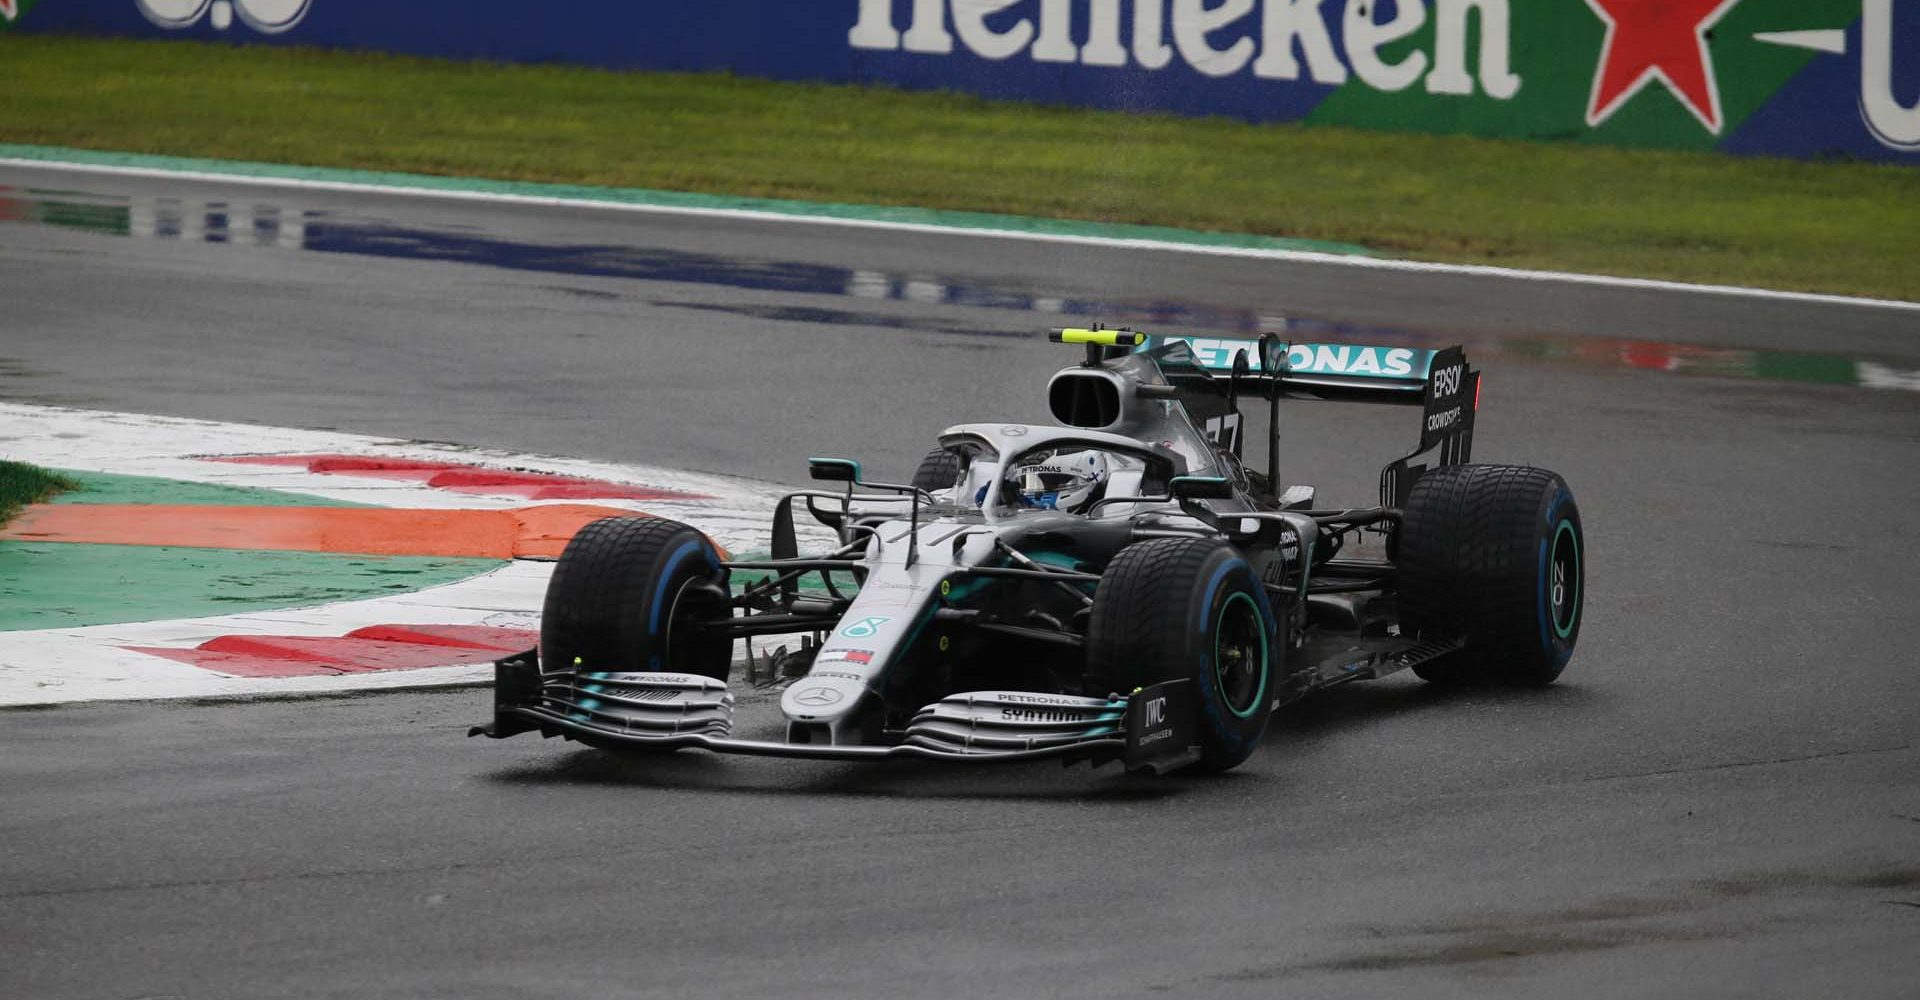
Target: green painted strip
<point>587,194</point>
<point>68,586</point>
<point>102,487</point>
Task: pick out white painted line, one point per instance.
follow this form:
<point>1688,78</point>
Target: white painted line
<point>1124,243</point>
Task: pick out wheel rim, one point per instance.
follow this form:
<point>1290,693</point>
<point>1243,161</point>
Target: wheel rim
<point>1240,655</point>
<point>1563,580</point>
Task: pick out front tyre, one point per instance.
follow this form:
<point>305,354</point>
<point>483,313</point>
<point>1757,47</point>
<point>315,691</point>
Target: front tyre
<point>626,596</point>
<point>1493,553</point>
<point>939,470</point>
<point>1192,608</point>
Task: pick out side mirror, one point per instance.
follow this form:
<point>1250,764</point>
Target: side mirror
<point>1200,488</point>
<point>1273,355</point>
<point>834,470</point>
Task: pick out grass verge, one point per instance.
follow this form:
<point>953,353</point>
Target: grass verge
<point>1843,228</point>
<point>22,484</point>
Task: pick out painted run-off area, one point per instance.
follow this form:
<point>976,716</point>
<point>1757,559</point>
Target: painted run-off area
<point>523,533</point>
<point>369,649</point>
<point>462,477</point>
<point>129,553</point>
<point>119,548</point>
<point>196,558</point>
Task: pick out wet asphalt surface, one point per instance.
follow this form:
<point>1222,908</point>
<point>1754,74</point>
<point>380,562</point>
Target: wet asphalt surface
<point>1721,798</point>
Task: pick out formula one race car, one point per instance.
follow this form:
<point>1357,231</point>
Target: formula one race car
<point>1122,586</point>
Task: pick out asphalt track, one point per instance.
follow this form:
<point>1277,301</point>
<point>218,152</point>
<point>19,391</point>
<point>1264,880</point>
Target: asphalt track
<point>1722,798</point>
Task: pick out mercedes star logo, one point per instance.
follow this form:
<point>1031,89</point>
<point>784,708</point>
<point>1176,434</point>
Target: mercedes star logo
<point>817,696</point>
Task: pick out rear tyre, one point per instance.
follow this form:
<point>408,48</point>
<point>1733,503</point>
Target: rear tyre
<point>1191,608</point>
<point>624,595</point>
<point>938,471</point>
<point>1493,553</point>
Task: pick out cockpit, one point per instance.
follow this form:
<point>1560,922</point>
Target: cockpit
<point>1007,470</point>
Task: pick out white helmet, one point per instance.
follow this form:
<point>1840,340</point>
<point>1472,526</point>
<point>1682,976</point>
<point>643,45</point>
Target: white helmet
<point>1066,481</point>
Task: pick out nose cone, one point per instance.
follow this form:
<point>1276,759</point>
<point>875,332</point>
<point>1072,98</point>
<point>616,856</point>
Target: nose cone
<point>821,699</point>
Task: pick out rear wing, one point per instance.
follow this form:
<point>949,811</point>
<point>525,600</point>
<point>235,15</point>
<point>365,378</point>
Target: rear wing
<point>1324,371</point>
<point>1211,374</point>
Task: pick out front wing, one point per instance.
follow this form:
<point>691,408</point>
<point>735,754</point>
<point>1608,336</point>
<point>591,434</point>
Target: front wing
<point>1151,729</point>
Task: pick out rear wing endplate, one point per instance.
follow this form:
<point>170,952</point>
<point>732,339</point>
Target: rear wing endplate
<point>1449,400</point>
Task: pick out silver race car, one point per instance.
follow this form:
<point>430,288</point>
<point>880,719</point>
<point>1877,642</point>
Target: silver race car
<point>1127,585</point>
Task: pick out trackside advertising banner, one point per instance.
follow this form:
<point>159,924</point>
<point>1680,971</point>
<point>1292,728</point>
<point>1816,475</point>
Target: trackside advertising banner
<point>1779,77</point>
<point>10,11</point>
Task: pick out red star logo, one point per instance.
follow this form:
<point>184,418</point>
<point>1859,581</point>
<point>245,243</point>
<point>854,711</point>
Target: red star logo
<point>1657,39</point>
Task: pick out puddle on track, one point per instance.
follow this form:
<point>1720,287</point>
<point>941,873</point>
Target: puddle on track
<point>253,223</point>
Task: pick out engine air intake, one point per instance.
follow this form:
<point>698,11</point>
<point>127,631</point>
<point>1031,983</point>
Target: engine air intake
<point>1084,399</point>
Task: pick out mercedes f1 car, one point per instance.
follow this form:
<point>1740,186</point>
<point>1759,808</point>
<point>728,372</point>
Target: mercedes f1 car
<point>1127,585</point>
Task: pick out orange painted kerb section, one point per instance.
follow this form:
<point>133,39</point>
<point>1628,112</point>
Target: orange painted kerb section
<point>537,532</point>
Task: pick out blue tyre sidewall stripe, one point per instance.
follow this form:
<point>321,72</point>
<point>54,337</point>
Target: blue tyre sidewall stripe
<point>1216,698</point>
<point>1549,628</point>
<point>1576,580</point>
<point>660,582</point>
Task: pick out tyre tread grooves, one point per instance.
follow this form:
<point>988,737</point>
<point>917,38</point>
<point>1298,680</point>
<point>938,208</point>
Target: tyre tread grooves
<point>602,580</point>
<point>1468,563</point>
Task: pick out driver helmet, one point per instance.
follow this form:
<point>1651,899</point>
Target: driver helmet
<point>1068,481</point>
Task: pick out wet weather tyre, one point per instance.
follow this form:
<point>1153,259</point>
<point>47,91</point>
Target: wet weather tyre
<point>623,594</point>
<point>1189,608</point>
<point>938,471</point>
<point>1493,553</point>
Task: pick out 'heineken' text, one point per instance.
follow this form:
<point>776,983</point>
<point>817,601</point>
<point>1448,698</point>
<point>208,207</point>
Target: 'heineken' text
<point>1204,37</point>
